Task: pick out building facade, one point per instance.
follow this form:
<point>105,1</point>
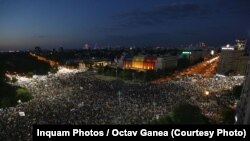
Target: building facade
<point>166,62</point>
<point>243,108</point>
<point>192,56</point>
<point>241,44</point>
<point>233,61</point>
<point>148,62</point>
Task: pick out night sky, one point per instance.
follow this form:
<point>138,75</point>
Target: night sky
<point>25,24</point>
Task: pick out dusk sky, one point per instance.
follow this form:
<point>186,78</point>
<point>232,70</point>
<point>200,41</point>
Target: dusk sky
<point>25,24</point>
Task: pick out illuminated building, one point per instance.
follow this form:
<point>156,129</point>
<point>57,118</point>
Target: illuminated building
<point>166,62</point>
<point>127,63</point>
<point>193,56</point>
<point>148,62</point>
<point>202,45</point>
<point>243,107</point>
<point>233,60</point>
<point>227,47</point>
<point>137,62</point>
<point>86,46</point>
<point>241,44</point>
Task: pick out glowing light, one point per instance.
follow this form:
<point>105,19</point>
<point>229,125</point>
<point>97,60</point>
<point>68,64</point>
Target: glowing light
<point>206,93</point>
<point>206,68</point>
<point>51,62</point>
<point>21,114</point>
<point>185,52</point>
<point>212,52</point>
<point>227,48</point>
<point>63,70</point>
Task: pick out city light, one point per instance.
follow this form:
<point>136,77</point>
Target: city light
<point>185,52</point>
<point>212,52</point>
<point>205,68</point>
<point>227,48</point>
<point>206,93</point>
<point>21,114</point>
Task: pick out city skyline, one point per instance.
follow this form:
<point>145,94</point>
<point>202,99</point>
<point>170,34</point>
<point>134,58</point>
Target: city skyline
<point>50,24</point>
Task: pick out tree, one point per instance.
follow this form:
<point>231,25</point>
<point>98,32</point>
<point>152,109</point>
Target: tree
<point>5,102</point>
<point>188,114</point>
<point>53,70</point>
<point>183,114</point>
<point>228,115</point>
<point>166,119</point>
<point>237,91</point>
<point>23,95</point>
<point>14,80</point>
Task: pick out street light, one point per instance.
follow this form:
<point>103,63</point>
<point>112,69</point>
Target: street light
<point>207,94</point>
<point>119,98</point>
<point>154,109</point>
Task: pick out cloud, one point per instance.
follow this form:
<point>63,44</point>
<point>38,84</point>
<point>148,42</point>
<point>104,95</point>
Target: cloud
<point>163,13</point>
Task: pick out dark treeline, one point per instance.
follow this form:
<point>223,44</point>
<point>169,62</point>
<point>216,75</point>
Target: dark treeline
<point>20,63</point>
<point>109,54</point>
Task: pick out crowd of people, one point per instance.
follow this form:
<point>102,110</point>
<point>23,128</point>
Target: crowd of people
<point>81,98</point>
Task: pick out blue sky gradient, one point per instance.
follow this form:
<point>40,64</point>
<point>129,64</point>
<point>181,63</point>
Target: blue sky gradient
<point>70,23</point>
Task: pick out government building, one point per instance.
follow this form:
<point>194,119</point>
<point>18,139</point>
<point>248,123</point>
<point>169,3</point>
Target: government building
<point>148,62</point>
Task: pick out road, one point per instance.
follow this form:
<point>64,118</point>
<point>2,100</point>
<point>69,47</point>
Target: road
<point>206,68</point>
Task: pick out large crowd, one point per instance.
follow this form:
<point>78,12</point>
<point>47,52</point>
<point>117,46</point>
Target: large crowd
<point>81,98</point>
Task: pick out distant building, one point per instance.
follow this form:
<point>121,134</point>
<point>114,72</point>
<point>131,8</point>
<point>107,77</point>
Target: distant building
<point>86,46</point>
<point>127,63</point>
<point>241,44</point>
<point>60,49</point>
<point>148,62</point>
<point>202,45</point>
<point>243,110</point>
<point>38,50</point>
<point>166,62</point>
<point>193,56</point>
<point>233,60</point>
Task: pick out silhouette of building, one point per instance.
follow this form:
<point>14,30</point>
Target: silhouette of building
<point>38,50</point>
<point>243,107</point>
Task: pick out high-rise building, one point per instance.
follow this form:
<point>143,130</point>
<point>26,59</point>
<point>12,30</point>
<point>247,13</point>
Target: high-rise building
<point>243,107</point>
<point>86,46</point>
<point>233,59</point>
<point>240,44</point>
<point>202,45</point>
<point>60,49</point>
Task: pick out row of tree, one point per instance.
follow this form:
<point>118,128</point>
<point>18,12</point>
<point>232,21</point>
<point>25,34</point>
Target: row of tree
<point>21,63</point>
<point>10,95</point>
